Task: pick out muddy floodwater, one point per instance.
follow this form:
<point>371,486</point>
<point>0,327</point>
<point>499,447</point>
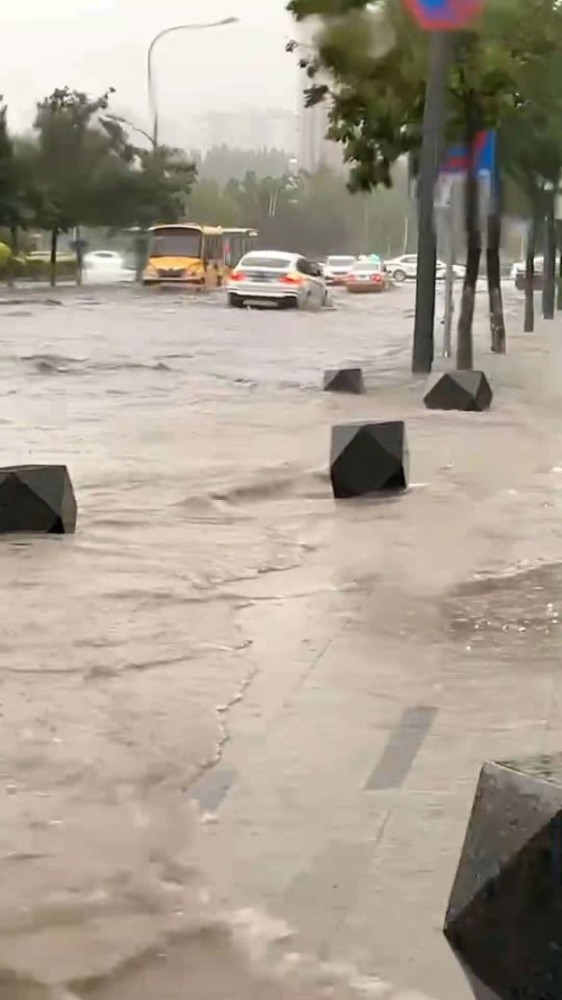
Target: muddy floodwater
<point>196,690</point>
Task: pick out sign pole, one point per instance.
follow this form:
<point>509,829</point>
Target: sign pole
<point>430,162</point>
<point>449,279</point>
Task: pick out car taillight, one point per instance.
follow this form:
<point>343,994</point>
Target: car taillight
<point>238,276</point>
<point>292,279</point>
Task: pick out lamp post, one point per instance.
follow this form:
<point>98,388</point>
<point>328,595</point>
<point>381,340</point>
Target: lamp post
<point>150,69</point>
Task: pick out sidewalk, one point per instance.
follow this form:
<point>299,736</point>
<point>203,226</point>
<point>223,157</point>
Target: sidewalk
<point>420,639</point>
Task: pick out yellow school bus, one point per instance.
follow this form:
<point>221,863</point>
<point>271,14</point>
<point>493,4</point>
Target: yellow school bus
<point>237,243</point>
<point>186,254</point>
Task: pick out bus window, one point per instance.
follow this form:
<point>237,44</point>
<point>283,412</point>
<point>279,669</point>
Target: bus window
<point>175,242</point>
<point>213,248</point>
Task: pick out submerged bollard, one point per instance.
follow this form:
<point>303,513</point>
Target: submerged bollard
<point>504,918</point>
<point>459,390</point>
<point>368,458</point>
<point>38,498</point>
<point>344,380</point>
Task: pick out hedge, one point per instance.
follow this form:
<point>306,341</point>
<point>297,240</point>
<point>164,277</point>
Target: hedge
<point>36,268</point>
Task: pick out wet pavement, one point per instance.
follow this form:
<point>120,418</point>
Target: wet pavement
<point>242,724</point>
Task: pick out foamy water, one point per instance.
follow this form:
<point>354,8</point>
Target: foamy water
<point>198,444</point>
<point>121,652</point>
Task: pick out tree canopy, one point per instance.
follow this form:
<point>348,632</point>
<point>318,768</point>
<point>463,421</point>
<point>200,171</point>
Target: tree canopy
<point>78,167</point>
<point>370,62</point>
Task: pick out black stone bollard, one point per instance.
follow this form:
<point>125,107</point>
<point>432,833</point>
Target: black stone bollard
<point>459,390</point>
<point>368,458</point>
<point>504,919</point>
<point>344,380</point>
<point>37,498</point>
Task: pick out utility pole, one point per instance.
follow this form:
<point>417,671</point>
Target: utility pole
<point>430,161</point>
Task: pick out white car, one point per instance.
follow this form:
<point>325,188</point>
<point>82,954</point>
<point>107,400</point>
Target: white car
<point>518,272</point>
<point>401,268</point>
<point>337,267</point>
<point>273,277</point>
<point>104,265</point>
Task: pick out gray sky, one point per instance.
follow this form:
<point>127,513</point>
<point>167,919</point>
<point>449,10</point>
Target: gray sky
<point>93,44</point>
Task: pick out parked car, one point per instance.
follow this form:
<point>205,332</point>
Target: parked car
<point>367,276</point>
<point>401,268</point>
<point>337,267</point>
<point>518,274</point>
<point>273,277</point>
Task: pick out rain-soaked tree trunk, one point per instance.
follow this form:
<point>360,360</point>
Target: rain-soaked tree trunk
<point>473,249</point>
<point>559,282</point>
<point>12,265</point>
<point>529,324</point>
<point>53,257</point>
<point>549,271</point>
<point>497,321</point>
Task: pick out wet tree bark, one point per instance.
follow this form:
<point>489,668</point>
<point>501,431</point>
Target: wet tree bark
<point>559,282</point>
<point>497,321</point>
<point>53,257</point>
<point>549,273</point>
<point>529,322</point>
<point>12,261</point>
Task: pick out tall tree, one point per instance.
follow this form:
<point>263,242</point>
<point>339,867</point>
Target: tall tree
<point>370,62</point>
<point>74,143</point>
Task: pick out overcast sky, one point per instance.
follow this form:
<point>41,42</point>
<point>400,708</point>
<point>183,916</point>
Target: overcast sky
<point>94,44</point>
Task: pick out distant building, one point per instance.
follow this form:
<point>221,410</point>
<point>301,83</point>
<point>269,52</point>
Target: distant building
<point>246,129</point>
<point>315,150</point>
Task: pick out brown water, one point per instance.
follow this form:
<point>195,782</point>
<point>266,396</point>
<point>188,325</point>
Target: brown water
<point>197,441</point>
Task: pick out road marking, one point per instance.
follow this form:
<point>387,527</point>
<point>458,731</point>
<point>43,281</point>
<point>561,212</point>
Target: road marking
<point>402,748</point>
<point>210,790</point>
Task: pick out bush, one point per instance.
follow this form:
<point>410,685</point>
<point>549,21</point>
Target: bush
<point>5,254</point>
<point>36,268</point>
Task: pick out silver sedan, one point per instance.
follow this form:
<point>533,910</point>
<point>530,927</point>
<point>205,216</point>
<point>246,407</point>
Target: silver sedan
<point>271,277</point>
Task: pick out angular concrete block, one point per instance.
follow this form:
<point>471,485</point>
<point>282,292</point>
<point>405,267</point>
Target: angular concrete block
<point>37,498</point>
<point>459,390</point>
<point>504,919</point>
<point>368,458</point>
<point>344,380</point>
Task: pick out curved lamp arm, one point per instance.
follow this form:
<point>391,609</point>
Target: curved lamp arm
<point>149,62</point>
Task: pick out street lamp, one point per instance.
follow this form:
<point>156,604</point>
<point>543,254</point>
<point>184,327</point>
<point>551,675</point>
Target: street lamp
<point>149,66</point>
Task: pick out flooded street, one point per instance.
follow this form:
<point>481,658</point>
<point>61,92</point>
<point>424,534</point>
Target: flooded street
<point>196,690</point>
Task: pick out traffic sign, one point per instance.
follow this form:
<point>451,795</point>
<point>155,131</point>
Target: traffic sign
<point>444,15</point>
<point>457,160</point>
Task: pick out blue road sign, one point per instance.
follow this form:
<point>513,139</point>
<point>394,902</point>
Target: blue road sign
<point>444,15</point>
<point>457,160</point>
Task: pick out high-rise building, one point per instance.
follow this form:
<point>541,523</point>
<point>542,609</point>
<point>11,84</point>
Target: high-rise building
<point>245,128</point>
<point>315,150</point>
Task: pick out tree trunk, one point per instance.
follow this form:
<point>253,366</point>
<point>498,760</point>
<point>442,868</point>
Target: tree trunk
<point>559,295</point>
<point>11,270</point>
<point>549,273</point>
<point>53,258</point>
<point>79,251</point>
<point>529,324</point>
<point>497,321</point>
<point>473,254</point>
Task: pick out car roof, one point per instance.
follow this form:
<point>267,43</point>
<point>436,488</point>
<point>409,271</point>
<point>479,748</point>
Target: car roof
<point>272,253</point>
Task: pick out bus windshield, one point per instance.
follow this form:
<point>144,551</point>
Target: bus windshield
<point>175,243</point>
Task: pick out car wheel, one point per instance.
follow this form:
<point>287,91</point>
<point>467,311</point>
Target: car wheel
<point>235,302</point>
<point>292,303</point>
<point>399,275</point>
